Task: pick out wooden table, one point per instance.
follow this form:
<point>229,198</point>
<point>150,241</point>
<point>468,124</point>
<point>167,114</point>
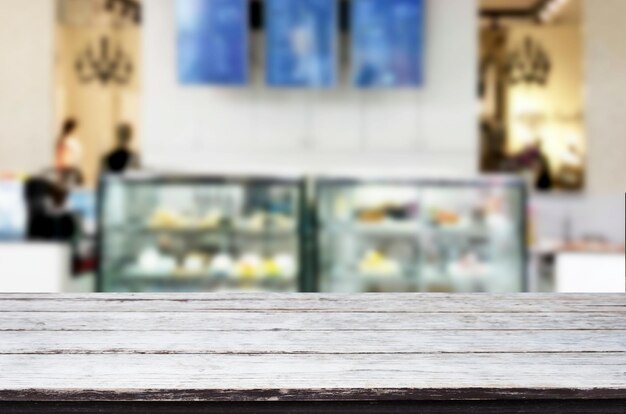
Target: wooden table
<point>192,354</point>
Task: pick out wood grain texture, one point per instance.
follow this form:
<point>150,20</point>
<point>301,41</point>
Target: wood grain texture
<point>369,303</point>
<point>258,348</point>
<point>398,407</point>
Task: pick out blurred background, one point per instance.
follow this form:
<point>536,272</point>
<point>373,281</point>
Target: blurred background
<point>312,145</point>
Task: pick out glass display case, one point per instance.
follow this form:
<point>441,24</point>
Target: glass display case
<point>421,235</point>
<point>182,234</point>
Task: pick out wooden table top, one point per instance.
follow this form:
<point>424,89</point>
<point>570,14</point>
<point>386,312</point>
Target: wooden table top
<point>311,347</point>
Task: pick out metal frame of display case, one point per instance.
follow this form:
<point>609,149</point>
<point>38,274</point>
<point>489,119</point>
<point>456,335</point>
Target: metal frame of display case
<point>477,182</point>
<point>303,232</point>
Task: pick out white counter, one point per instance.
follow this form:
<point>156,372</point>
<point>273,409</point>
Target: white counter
<point>590,273</point>
<point>34,267</point>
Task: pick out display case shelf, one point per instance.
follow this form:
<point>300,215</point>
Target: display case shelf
<point>408,229</point>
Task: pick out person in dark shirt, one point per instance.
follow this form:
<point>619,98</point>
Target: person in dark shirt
<point>122,158</point>
<point>48,217</point>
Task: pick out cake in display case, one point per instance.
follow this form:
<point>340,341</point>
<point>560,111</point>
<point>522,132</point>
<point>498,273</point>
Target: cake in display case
<point>200,234</point>
<point>421,235</point>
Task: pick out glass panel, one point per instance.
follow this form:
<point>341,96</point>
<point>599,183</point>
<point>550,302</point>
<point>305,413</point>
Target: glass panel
<point>472,239</point>
<point>421,236</point>
<point>369,237</point>
<point>201,236</point>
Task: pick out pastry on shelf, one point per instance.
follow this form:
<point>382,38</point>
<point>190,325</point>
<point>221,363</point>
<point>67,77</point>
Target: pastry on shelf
<point>280,221</point>
<point>222,265</point>
<point>445,218</point>
<point>388,212</point>
<point>195,263</point>
<point>249,267</point>
<point>469,266</point>
<point>261,221</point>
<point>280,266</point>
<point>211,220</point>
<point>371,215</point>
<point>376,263</point>
<point>287,264</point>
<point>271,268</point>
<point>150,260</point>
<point>256,222</point>
<point>164,218</point>
<point>400,212</point>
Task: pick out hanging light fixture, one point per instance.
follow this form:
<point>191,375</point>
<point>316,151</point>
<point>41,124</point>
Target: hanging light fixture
<point>529,64</point>
<point>130,9</point>
<point>104,64</point>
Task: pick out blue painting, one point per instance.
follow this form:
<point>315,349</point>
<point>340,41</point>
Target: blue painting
<point>387,43</point>
<point>301,43</point>
<point>212,41</point>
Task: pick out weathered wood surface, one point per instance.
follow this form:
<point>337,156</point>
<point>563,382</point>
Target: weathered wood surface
<point>351,407</point>
<point>311,347</point>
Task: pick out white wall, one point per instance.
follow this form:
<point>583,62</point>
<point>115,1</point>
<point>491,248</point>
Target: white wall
<point>588,217</point>
<point>26,76</point>
<point>253,128</point>
<point>605,65</point>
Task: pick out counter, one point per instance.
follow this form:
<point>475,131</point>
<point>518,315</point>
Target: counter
<point>35,267</point>
<point>381,353</point>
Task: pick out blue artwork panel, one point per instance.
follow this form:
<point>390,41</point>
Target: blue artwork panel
<point>212,41</point>
<point>301,43</point>
<point>387,43</point>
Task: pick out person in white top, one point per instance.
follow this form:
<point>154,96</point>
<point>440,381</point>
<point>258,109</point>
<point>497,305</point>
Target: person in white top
<point>69,154</point>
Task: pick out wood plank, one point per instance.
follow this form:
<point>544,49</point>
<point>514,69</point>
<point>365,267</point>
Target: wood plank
<point>312,373</point>
<point>311,347</point>
<point>351,407</point>
<point>370,303</point>
<point>299,343</point>
<point>304,321</point>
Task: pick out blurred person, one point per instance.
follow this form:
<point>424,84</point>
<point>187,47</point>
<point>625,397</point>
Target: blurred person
<point>36,191</point>
<point>572,170</point>
<point>122,158</point>
<point>542,169</point>
<point>48,216</point>
<point>533,159</point>
<point>68,154</point>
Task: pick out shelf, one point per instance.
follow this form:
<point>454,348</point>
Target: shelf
<point>413,230</point>
<point>199,283</point>
<point>134,271</point>
<point>223,231</point>
<point>407,228</point>
<point>449,231</point>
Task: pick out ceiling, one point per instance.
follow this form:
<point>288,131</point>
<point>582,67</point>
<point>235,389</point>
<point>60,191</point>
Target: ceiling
<point>571,13</point>
<point>88,13</point>
<point>507,4</point>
